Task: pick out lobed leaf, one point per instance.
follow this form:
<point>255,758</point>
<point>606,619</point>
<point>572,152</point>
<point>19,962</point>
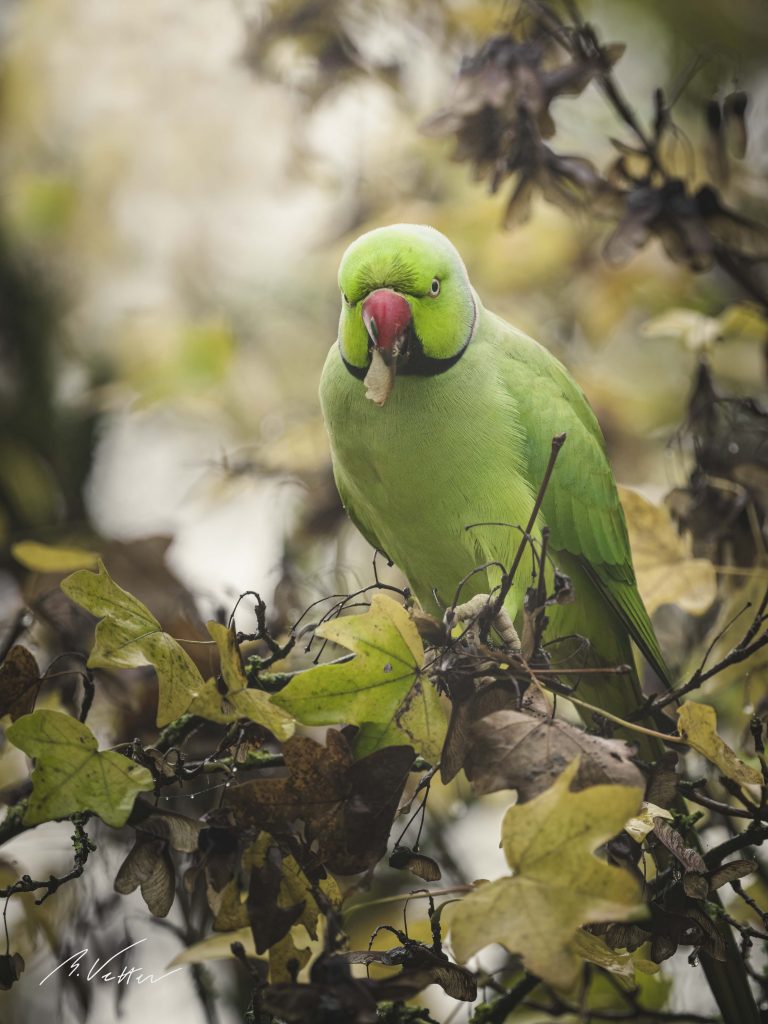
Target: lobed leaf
<point>557,883</point>
<point>238,701</point>
<point>384,690</point>
<point>72,774</point>
<point>129,636</point>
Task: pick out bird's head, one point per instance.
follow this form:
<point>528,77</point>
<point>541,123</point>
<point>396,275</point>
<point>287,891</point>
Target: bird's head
<point>407,306</point>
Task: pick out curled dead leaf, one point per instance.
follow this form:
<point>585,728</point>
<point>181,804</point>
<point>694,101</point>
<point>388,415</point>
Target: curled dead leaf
<point>513,750</point>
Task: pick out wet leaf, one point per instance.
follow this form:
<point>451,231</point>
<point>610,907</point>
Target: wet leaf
<point>697,724</point>
<point>50,558</point>
<point>72,774</point>
<point>19,682</point>
<point>682,920</point>
<point>237,700</point>
<point>666,571</point>
<point>557,883</point>
<point>512,750</point>
<point>383,690</point>
<point>129,636</point>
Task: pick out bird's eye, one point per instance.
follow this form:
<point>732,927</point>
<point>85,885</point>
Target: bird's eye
<point>434,288</point>
<point>346,300</point>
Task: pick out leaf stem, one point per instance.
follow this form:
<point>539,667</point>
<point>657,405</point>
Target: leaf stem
<point>666,737</point>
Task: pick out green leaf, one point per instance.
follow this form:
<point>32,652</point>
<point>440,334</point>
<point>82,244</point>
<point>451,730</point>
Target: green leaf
<point>49,558</point>
<point>384,690</point>
<point>129,636</point>
<point>238,701</point>
<point>72,774</point>
<point>557,884</point>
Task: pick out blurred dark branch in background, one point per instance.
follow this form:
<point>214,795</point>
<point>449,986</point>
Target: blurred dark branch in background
<point>500,116</point>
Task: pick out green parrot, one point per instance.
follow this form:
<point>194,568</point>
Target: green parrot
<point>441,418</point>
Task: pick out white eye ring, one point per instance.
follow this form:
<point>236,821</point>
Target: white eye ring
<point>434,288</point>
<point>345,299</point>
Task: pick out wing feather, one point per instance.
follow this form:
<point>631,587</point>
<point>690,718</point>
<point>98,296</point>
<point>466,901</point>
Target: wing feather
<point>582,506</point>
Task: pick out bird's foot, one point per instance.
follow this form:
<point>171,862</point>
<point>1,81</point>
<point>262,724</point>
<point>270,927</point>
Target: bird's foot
<point>475,608</point>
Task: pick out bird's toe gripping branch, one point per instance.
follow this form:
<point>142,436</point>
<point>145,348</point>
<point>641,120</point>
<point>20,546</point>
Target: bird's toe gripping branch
<point>482,604</point>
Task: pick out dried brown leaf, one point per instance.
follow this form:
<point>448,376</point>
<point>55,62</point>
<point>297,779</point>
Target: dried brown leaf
<point>19,683</point>
<point>512,750</point>
<point>730,872</point>
<point>404,858</point>
<point>269,921</point>
<point>347,806</point>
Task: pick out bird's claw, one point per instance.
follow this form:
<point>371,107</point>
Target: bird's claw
<point>472,610</point>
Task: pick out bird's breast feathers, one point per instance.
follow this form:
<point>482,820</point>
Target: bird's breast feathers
<point>444,453</point>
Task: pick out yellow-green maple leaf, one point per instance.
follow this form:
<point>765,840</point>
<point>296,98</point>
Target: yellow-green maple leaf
<point>72,774</point>
<point>129,636</point>
<point>239,701</point>
<point>557,884</point>
<point>384,690</point>
<point>697,724</point>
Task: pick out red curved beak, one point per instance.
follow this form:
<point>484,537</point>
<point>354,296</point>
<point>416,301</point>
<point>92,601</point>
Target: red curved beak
<point>386,316</point>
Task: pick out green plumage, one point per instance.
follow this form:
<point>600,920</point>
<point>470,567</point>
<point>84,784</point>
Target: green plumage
<point>470,445</point>
<point>449,423</point>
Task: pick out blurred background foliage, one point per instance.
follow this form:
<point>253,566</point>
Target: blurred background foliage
<point>177,183</point>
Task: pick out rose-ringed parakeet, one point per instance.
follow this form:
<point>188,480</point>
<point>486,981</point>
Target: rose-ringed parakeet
<point>441,417</point>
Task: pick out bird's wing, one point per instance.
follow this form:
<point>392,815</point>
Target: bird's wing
<point>581,506</point>
<point>354,509</point>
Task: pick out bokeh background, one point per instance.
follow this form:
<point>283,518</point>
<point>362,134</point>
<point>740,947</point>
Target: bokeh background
<point>178,181</point>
